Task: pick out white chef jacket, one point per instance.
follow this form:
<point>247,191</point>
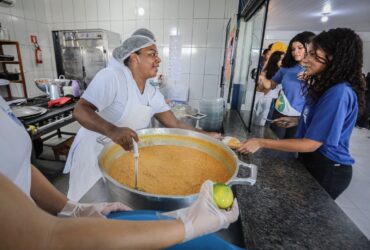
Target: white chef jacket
<point>15,149</point>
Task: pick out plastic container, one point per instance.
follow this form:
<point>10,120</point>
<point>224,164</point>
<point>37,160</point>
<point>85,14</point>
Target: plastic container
<point>76,88</point>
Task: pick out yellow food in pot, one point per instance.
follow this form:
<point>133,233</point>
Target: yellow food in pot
<point>168,170</point>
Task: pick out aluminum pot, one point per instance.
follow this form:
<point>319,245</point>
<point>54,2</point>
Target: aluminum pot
<point>166,136</point>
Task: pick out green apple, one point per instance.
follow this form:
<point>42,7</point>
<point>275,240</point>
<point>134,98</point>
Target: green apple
<point>223,195</point>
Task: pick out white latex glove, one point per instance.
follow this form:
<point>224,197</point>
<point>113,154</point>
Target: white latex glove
<point>203,216</point>
<point>72,209</point>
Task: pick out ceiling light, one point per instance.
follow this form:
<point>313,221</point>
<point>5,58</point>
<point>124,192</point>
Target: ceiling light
<point>324,19</point>
<point>326,9</point>
<point>141,11</point>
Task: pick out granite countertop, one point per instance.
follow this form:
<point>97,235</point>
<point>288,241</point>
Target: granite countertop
<point>287,208</point>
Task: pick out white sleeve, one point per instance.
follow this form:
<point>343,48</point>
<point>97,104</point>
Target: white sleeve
<point>159,104</point>
<point>102,90</point>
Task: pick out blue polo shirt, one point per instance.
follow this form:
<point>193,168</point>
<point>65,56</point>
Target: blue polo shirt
<point>331,120</point>
<point>294,89</point>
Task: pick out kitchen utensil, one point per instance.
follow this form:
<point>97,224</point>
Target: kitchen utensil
<point>43,84</point>
<point>136,156</point>
<point>54,91</point>
<point>164,136</point>
<point>27,111</point>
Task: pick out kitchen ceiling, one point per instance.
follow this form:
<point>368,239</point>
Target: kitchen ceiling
<point>287,15</point>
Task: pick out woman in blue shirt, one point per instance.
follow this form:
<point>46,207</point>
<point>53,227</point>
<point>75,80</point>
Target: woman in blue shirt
<point>335,96</point>
<point>292,97</point>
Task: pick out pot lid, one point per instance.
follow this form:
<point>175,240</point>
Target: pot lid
<point>26,111</point>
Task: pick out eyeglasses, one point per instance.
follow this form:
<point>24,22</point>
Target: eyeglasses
<point>316,57</point>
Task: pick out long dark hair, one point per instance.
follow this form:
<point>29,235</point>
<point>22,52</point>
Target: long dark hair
<point>304,38</point>
<point>272,64</point>
<point>346,49</point>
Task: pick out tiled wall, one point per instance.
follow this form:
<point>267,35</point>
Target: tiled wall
<point>27,18</point>
<point>200,23</point>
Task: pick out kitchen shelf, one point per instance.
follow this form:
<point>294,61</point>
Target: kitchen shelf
<point>9,62</point>
<point>18,61</point>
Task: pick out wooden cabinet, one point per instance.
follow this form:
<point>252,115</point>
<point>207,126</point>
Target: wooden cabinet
<point>17,77</point>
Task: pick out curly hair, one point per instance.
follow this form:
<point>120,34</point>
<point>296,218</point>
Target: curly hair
<point>304,38</point>
<point>346,49</point>
<point>272,64</point>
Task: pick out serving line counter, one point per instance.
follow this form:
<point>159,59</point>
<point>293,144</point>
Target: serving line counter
<point>285,209</point>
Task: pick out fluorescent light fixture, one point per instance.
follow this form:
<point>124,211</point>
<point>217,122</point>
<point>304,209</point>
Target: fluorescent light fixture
<point>324,19</point>
<point>141,11</point>
<point>327,8</point>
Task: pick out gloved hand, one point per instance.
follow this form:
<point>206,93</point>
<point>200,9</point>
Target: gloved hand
<point>203,216</point>
<point>72,209</point>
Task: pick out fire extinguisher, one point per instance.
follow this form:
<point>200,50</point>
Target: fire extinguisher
<point>38,54</point>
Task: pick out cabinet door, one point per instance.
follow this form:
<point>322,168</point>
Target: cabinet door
<point>93,60</point>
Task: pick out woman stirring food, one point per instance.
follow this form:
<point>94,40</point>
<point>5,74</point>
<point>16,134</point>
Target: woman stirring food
<point>335,96</point>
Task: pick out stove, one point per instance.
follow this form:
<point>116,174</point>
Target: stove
<point>53,119</point>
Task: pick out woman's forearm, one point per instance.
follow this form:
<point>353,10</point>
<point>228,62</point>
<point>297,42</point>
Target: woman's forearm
<point>302,145</point>
<point>46,196</point>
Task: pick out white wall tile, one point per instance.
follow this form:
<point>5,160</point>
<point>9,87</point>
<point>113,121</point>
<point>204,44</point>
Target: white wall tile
<point>104,25</point>
<point>144,4</point>
<point>40,11</point>
<point>170,9</point>
<point>69,26</point>
<point>186,9</point>
<point>79,9</point>
<point>117,26</point>
<point>44,38</point>
<point>91,7</point>
<point>156,26</point>
<point>217,9</point>
<point>156,9</point>
<point>210,86</point>
<point>17,10</point>
<point>196,87</point>
<point>68,12</point>
<point>185,31</point>
<point>129,9</point>
<point>197,60</point>
<point>142,23</point>
<point>213,61</point>
<point>116,9</point>
<point>170,28</point>
<point>185,60</point>
<point>80,25</point>
<point>215,33</point>
<point>92,25</point>
<point>199,32</point>
<point>21,30</point>
<point>128,28</point>
<point>103,10</point>
<point>201,8</point>
<point>29,9</point>
<point>56,11</point>
<point>184,80</point>
<point>26,58</point>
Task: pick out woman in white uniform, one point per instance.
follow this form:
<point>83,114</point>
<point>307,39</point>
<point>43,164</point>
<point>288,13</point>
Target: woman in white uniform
<point>29,201</point>
<point>116,103</point>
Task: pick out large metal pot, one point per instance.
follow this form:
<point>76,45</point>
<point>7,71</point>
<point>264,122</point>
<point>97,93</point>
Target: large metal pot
<point>165,136</point>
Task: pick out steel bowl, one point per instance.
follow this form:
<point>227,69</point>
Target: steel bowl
<point>166,136</point>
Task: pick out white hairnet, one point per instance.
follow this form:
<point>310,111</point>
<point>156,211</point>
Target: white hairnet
<point>131,45</point>
<point>144,32</point>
